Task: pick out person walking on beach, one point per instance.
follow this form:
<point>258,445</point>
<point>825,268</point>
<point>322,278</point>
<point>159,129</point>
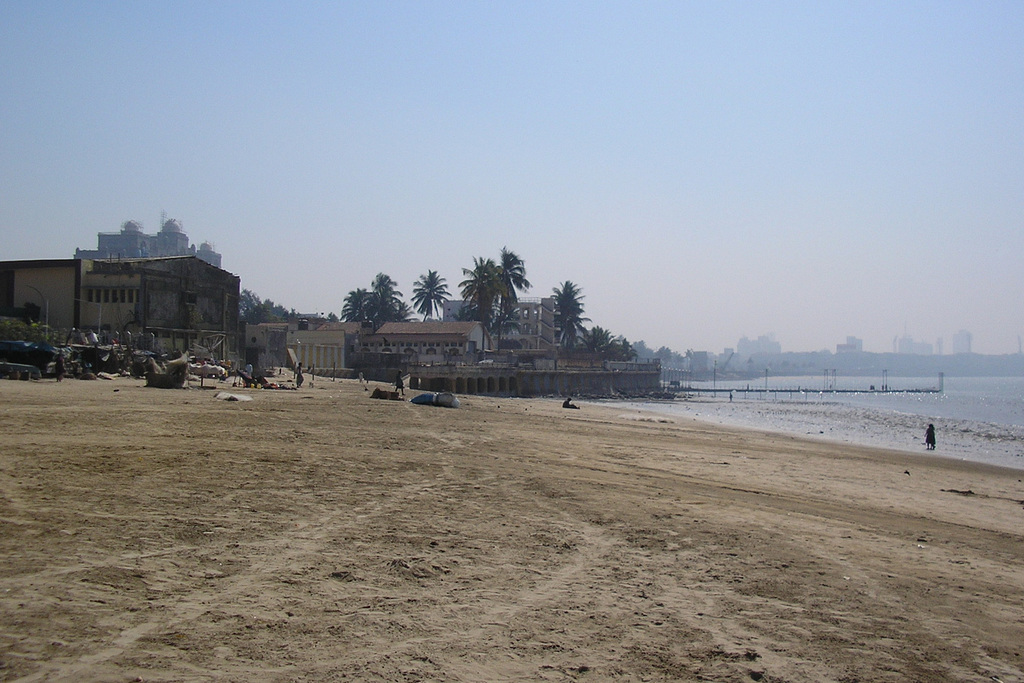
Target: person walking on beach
<point>399,384</point>
<point>929,437</point>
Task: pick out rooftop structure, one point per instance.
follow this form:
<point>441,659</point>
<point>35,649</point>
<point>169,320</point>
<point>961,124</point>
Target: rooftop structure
<point>132,242</point>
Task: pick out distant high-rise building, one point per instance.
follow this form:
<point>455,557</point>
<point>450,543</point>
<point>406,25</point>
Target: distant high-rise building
<point>852,344</point>
<point>962,342</point>
<point>132,242</point>
<point>765,344</point>
<point>907,345</point>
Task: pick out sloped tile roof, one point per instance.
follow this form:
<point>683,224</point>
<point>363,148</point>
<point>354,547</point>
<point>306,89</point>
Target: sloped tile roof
<point>429,327</point>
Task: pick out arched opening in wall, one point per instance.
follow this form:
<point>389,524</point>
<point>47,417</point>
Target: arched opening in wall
<point>502,385</point>
<point>431,351</point>
<point>460,385</point>
<point>481,385</point>
<point>513,385</point>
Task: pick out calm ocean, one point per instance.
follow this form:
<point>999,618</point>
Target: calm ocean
<point>996,400</point>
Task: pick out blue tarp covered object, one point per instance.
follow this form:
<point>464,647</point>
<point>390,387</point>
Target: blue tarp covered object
<point>38,354</point>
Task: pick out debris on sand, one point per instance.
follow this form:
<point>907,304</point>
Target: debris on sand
<point>386,395</point>
<point>228,396</point>
<point>171,376</point>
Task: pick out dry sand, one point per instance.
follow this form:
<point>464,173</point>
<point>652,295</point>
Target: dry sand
<point>319,535</point>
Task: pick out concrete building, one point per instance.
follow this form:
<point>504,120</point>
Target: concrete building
<point>132,242</point>
<point>536,331</point>
<point>906,345</point>
<point>325,346</point>
<point>763,345</point>
<point>535,319</point>
<point>427,341</point>
<point>962,342</point>
<point>162,304</point>
<point>852,345</point>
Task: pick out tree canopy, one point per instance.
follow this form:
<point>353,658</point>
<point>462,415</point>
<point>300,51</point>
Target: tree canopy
<point>382,303</point>
<point>253,310</point>
<point>429,294</point>
<point>569,314</point>
<point>482,288</point>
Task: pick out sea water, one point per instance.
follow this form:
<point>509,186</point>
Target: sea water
<point>980,419</point>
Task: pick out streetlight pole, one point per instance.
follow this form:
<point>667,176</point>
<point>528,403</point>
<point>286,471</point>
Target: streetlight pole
<point>46,306</point>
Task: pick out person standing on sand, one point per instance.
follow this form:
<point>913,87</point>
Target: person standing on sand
<point>399,384</point>
<point>298,376</point>
<point>929,437</point>
<point>59,367</point>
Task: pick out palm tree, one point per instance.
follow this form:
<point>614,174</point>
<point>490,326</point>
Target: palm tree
<point>385,302</point>
<point>512,272</point>
<point>356,307</point>
<point>623,350</point>
<point>513,278</point>
<point>482,287</point>
<point>569,313</point>
<point>505,321</point>
<point>429,294</point>
<point>597,340</point>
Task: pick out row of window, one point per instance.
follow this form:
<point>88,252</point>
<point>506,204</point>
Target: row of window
<point>109,295</point>
<point>423,344</point>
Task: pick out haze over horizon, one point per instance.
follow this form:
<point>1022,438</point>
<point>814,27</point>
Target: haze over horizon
<point>703,171</point>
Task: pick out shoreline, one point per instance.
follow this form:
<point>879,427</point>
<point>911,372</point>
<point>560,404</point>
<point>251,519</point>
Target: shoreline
<point>320,534</point>
<point>836,422</point>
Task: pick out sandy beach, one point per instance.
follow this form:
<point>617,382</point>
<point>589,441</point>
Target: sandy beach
<point>320,535</point>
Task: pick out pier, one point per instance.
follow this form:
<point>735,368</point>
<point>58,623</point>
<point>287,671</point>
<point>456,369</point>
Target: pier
<point>830,388</point>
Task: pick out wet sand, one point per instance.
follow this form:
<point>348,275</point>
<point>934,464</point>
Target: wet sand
<point>162,535</point>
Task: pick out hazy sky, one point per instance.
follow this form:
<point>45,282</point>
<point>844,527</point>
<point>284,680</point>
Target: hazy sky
<point>702,170</point>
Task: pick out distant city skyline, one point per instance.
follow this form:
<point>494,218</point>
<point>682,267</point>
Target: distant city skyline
<point>702,171</point>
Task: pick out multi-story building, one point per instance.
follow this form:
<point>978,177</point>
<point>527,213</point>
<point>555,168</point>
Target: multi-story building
<point>763,345</point>
<point>536,326</point>
<point>906,345</point>
<point>165,304</point>
<point>132,242</point>
<point>534,329</point>
<point>962,342</point>
<point>852,345</point>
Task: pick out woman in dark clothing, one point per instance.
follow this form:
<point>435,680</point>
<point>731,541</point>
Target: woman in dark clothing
<point>929,437</point>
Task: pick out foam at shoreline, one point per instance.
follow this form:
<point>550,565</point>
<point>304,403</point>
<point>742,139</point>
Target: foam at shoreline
<point>838,422</point>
